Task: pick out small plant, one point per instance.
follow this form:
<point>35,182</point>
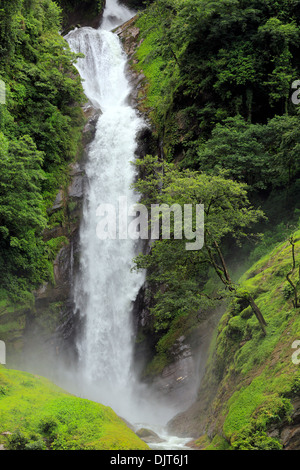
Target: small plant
<point>47,425</point>
<point>3,390</point>
<point>36,445</point>
<point>287,291</point>
<point>257,440</point>
<point>17,441</point>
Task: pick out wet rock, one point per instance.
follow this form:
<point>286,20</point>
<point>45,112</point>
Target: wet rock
<point>149,436</point>
<point>178,380</point>
<point>92,115</point>
<point>77,185</point>
<point>58,203</point>
<point>129,35</point>
<point>289,433</point>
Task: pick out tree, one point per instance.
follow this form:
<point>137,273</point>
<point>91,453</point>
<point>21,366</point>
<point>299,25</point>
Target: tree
<point>22,213</point>
<point>228,213</point>
<point>40,132</point>
<point>9,25</point>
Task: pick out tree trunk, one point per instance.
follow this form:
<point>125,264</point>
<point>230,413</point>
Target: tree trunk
<point>258,314</point>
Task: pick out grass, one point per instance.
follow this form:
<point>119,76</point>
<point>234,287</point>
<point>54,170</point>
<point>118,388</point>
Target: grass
<point>257,378</point>
<point>40,415</point>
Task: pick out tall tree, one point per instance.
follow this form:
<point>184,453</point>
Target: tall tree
<point>228,213</point>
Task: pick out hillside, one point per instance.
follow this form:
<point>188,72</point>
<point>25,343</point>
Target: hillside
<point>249,397</point>
<point>35,414</point>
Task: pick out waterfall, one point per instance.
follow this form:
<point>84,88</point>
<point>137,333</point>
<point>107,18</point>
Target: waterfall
<point>106,288</point>
<point>115,14</point>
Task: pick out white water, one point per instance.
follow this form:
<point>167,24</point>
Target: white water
<point>106,287</point>
<point>115,14</point>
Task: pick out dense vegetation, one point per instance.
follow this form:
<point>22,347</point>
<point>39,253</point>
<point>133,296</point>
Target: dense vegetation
<point>252,381</point>
<point>40,132</point>
<point>37,415</point>
<point>217,89</point>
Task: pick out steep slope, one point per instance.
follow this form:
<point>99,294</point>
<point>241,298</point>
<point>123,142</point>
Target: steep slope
<point>249,397</point>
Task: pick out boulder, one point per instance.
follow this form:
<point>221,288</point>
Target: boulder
<point>149,436</point>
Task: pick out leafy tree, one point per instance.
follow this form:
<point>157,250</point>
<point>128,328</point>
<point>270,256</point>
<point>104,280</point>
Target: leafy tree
<point>232,58</point>
<point>265,157</point>
<point>40,132</point>
<point>228,213</point>
<point>22,215</point>
<point>9,25</point>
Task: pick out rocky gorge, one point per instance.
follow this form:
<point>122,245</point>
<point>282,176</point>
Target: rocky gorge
<point>46,341</point>
<point>231,384</point>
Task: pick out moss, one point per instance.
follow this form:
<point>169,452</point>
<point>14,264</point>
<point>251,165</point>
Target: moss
<point>249,440</point>
<point>166,352</point>
<point>40,415</point>
<point>241,406</point>
<point>218,443</point>
<point>160,76</point>
<point>255,373</point>
<point>156,366</point>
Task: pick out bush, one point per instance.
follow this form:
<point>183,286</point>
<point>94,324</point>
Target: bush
<point>47,425</point>
<point>36,445</point>
<point>17,441</point>
<point>257,440</point>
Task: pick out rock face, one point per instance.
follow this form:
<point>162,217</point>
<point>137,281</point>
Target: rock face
<point>88,13</point>
<point>289,433</point>
<point>129,35</point>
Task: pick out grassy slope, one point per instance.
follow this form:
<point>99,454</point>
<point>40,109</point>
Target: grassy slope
<point>41,415</point>
<point>253,377</point>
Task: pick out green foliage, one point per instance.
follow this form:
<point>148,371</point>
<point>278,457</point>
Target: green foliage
<point>256,376</point>
<point>217,88</point>
<point>218,84</point>
<point>232,56</point>
<point>263,156</point>
<point>44,417</point>
<point>177,276</point>
<point>218,443</point>
<point>17,441</point>
<point>256,440</point>
<point>40,133</point>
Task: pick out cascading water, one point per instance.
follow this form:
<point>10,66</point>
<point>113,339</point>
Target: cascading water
<point>115,14</point>
<point>106,287</point>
